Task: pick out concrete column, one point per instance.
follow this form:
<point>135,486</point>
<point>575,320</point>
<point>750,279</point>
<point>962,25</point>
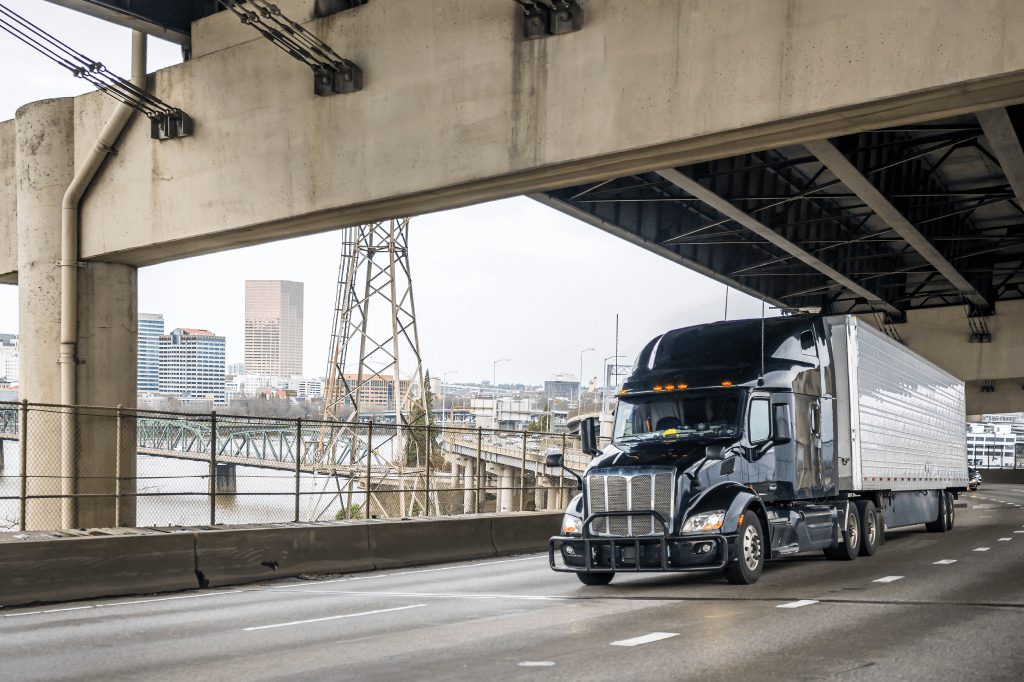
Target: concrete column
<point>468,485</point>
<point>506,484</point>
<point>45,164</point>
<point>108,344</point>
<point>107,329</point>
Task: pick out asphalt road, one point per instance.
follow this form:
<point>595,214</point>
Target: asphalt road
<point>926,607</point>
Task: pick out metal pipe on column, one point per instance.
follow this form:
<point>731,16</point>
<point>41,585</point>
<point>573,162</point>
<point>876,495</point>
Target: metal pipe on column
<point>479,472</point>
<point>213,467</point>
<point>522,478</point>
<point>69,278</point>
<point>117,469</point>
<point>298,465</point>
<point>369,461</point>
<point>23,437</point>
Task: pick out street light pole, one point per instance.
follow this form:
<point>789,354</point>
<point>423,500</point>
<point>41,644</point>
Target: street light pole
<point>604,404</point>
<point>579,398</point>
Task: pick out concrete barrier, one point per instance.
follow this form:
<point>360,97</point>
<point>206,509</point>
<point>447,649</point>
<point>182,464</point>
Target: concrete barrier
<point>524,532</point>
<point>1014,476</point>
<point>394,544</point>
<point>62,569</point>
<point>233,557</point>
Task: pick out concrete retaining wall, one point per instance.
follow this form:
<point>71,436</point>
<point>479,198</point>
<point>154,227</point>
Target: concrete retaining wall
<point>1015,476</point>
<point>43,568</point>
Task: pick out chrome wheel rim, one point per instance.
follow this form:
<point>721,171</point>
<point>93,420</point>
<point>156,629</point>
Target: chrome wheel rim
<point>870,530</point>
<point>853,532</point>
<point>751,548</point>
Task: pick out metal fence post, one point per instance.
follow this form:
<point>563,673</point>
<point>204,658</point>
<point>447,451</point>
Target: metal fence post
<point>561,477</point>
<point>427,512</point>
<point>23,437</point>
<point>213,467</point>
<point>117,471</point>
<point>369,460</point>
<point>479,473</point>
<point>298,464</point>
<point>522,478</point>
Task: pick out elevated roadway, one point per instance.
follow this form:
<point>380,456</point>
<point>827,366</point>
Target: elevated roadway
<point>925,607</point>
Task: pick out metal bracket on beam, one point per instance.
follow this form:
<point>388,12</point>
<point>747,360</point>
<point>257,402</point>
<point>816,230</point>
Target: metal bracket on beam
<point>542,20</point>
<point>169,126</point>
<point>976,320</point>
<point>339,80</point>
<point>989,386</point>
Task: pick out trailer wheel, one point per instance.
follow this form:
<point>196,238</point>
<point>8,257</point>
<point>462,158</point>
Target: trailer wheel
<point>950,513</point>
<point>940,524</point>
<point>750,553</point>
<point>849,548</point>
<point>595,578</point>
<point>870,527</point>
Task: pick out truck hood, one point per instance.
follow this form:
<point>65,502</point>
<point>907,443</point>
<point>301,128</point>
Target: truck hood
<point>681,455</point>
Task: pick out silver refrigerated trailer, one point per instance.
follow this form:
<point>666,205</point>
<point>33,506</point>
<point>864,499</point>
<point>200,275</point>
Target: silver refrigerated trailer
<point>738,442</point>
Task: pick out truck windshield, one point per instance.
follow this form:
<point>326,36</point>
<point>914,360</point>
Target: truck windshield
<point>662,418</point>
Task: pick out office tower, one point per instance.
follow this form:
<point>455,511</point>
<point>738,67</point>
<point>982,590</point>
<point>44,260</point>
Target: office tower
<point>151,327</point>
<point>9,358</point>
<point>273,327</point>
<point>192,365</point>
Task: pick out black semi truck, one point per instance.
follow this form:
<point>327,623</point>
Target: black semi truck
<point>742,441</point>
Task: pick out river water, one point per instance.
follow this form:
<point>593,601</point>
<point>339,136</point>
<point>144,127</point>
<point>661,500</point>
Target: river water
<point>262,495</point>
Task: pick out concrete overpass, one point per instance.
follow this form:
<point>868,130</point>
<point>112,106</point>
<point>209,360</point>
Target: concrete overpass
<point>693,112</point>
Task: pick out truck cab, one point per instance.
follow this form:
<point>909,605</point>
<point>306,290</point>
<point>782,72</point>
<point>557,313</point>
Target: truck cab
<point>723,454</point>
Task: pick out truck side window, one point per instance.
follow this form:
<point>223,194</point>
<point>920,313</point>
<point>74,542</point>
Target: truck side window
<point>759,421</point>
<point>807,343</point>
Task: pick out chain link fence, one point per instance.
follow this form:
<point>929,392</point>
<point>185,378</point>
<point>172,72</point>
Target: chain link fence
<point>63,468</point>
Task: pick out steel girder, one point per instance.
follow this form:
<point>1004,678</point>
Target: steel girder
<point>943,178</point>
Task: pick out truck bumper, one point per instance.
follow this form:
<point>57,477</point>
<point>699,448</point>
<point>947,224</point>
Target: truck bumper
<point>650,554</point>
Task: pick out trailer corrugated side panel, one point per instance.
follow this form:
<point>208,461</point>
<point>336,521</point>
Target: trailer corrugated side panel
<point>906,417</point>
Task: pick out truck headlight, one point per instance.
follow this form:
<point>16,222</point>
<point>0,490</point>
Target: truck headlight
<point>572,524</point>
<point>705,521</point>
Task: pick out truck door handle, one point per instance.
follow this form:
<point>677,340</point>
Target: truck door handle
<point>773,486</point>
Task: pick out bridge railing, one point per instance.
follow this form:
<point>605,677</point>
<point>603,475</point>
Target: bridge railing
<point>92,467</point>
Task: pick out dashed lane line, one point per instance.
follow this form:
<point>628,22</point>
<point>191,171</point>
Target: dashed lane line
<point>645,639</point>
<point>320,620</point>
<point>945,562</point>
<point>1005,539</point>
<point>888,579</point>
<point>424,570</point>
<point>797,604</point>
<point>981,549</point>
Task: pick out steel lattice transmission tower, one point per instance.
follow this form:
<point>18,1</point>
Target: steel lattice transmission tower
<point>374,348</point>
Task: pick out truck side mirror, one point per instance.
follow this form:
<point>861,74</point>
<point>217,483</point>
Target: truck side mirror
<point>783,426</point>
<point>554,460</point>
<point>588,437</point>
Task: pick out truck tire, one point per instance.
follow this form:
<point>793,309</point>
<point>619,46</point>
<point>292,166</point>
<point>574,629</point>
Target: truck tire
<point>950,511</point>
<point>939,524</point>
<point>750,553</point>
<point>849,548</point>
<point>870,525</point>
<point>594,578</point>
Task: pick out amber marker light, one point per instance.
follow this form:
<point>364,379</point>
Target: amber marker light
<point>622,393</point>
<point>681,386</point>
<point>727,383</point>
<point>657,388</point>
<point>669,387</point>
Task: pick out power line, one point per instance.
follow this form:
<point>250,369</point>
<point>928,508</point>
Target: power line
<point>166,121</point>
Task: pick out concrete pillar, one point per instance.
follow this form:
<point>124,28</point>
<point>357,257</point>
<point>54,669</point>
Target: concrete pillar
<point>45,164</point>
<point>107,329</point>
<point>108,344</point>
<point>469,486</point>
<point>506,484</point>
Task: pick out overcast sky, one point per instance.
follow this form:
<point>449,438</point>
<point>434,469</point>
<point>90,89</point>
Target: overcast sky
<point>509,279</point>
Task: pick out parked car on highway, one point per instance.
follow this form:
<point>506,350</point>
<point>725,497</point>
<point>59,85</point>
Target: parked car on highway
<point>974,478</point>
<point>738,442</point>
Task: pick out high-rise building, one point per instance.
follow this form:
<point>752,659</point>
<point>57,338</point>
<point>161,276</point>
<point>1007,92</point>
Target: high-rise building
<point>192,365</point>
<point>9,357</point>
<point>236,368</point>
<point>376,392</point>
<point>273,327</point>
<point>151,327</point>
<point>562,387</point>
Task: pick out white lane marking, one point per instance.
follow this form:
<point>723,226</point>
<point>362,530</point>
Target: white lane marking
<point>127,603</point>
<point>888,579</point>
<point>945,561</point>
<point>320,620</point>
<point>425,570</point>
<point>984,517</point>
<point>73,608</point>
<point>645,639</point>
<point>536,664</point>
<point>797,604</point>
<point>981,549</point>
<point>457,595</point>
<point>30,613</point>
<point>1018,531</point>
<point>1005,539</point>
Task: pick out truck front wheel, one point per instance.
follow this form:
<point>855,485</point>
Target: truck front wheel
<point>595,578</point>
<point>749,553</point>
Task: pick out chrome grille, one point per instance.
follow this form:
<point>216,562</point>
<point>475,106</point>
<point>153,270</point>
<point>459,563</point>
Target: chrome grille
<point>624,490</point>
